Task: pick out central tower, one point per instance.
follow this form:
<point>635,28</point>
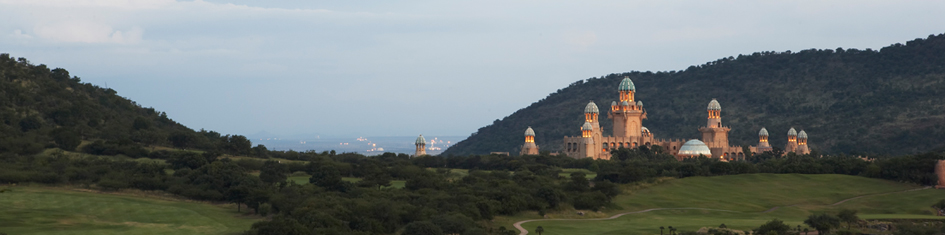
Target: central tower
<point>714,134</point>
<point>627,115</point>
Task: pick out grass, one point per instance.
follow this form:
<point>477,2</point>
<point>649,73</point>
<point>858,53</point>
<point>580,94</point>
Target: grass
<point>43,210</point>
<point>749,200</point>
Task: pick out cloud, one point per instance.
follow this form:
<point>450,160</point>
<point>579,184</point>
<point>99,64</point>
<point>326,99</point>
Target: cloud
<point>87,32</point>
<point>125,4</point>
<point>18,34</point>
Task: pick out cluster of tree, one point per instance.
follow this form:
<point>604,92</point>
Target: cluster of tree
<point>631,165</point>
<point>852,101</point>
<point>432,200</point>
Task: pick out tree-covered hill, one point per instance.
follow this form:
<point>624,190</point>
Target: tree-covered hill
<point>890,101</point>
<point>45,108</point>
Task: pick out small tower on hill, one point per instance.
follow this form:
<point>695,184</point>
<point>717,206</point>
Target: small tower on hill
<point>529,148</point>
<point>802,147</point>
<point>763,145</point>
<point>791,141</point>
<point>421,146</point>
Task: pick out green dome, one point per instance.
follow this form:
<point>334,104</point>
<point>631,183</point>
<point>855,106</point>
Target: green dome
<point>587,127</point>
<point>626,85</point>
<point>763,132</point>
<point>802,135</point>
<point>529,132</point>
<point>591,108</point>
<point>792,132</point>
<point>640,103</point>
<point>420,140</point>
<point>625,103</point>
<point>714,105</point>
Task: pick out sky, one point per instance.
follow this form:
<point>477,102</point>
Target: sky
<point>403,68</point>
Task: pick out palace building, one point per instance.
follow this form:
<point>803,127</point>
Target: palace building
<point>627,116</point>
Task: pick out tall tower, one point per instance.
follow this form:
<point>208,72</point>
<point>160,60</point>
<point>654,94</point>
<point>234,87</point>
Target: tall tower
<point>714,134</point>
<point>791,141</point>
<point>628,115</point>
<point>596,135</point>
<point>529,148</point>
<point>421,146</point>
<point>763,145</point>
<point>588,145</point>
<point>802,143</point>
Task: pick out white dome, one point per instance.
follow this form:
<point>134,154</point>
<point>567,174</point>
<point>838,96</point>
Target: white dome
<point>695,147</point>
<point>639,103</point>
<point>420,140</point>
<point>802,135</point>
<point>714,105</point>
<point>763,132</point>
<point>791,132</point>
<point>529,132</point>
<point>587,127</point>
<point>591,108</point>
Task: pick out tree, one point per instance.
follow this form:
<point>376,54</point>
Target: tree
<point>848,216</point>
<point>66,139</point>
<point>777,226</point>
<point>806,230</point>
<point>422,228</point>
<point>661,230</point>
<point>539,230</point>
<point>273,172</point>
<point>822,222</point>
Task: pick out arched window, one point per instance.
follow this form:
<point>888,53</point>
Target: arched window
<point>647,143</point>
<point>634,144</point>
<point>605,145</point>
<point>621,145</point>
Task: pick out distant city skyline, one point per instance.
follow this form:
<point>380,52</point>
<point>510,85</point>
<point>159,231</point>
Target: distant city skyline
<point>404,68</point>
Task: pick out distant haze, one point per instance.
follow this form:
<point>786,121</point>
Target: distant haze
<point>403,68</point>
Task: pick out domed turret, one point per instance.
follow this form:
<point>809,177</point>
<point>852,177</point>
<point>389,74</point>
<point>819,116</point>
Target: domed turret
<point>421,140</point>
<point>591,112</point>
<point>640,103</point>
<point>763,145</point>
<point>763,132</point>
<point>791,132</point>
<point>421,146</point>
<point>627,85</point>
<point>714,105</point>
<point>587,129</point>
<point>802,135</point>
<point>802,143</point>
<point>529,135</point>
<point>613,106</point>
<point>694,148</point>
<point>626,89</point>
<point>591,108</point>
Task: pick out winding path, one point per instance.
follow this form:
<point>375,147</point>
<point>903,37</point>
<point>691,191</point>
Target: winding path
<point>522,231</point>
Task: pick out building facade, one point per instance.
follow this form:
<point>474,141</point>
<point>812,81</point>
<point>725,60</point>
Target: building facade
<point>627,116</point>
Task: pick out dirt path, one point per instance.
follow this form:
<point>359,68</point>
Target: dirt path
<point>522,231</point>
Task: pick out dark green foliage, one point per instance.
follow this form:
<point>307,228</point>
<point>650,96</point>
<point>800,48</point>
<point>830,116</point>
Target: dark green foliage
<point>822,222</point>
<point>66,139</point>
<point>848,216</point>
<point>890,101</point>
<point>774,226</point>
<point>422,228</point>
<point>273,172</point>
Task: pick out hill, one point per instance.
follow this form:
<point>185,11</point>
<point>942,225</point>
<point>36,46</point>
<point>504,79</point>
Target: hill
<point>890,101</point>
<point>745,202</point>
<point>46,108</point>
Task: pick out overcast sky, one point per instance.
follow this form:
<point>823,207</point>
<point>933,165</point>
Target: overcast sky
<point>402,68</point>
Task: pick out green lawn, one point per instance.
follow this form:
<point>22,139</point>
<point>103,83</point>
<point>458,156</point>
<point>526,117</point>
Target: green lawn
<point>42,210</point>
<point>749,200</point>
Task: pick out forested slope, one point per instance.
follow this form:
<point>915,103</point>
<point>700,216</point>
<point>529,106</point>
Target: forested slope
<point>888,101</point>
<point>46,108</point>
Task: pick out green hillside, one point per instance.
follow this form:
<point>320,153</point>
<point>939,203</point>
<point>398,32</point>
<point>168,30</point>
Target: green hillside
<point>747,201</point>
<point>890,101</point>
<point>40,210</point>
<point>49,108</point>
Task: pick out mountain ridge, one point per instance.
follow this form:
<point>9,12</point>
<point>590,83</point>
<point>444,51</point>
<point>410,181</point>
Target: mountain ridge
<point>887,101</point>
